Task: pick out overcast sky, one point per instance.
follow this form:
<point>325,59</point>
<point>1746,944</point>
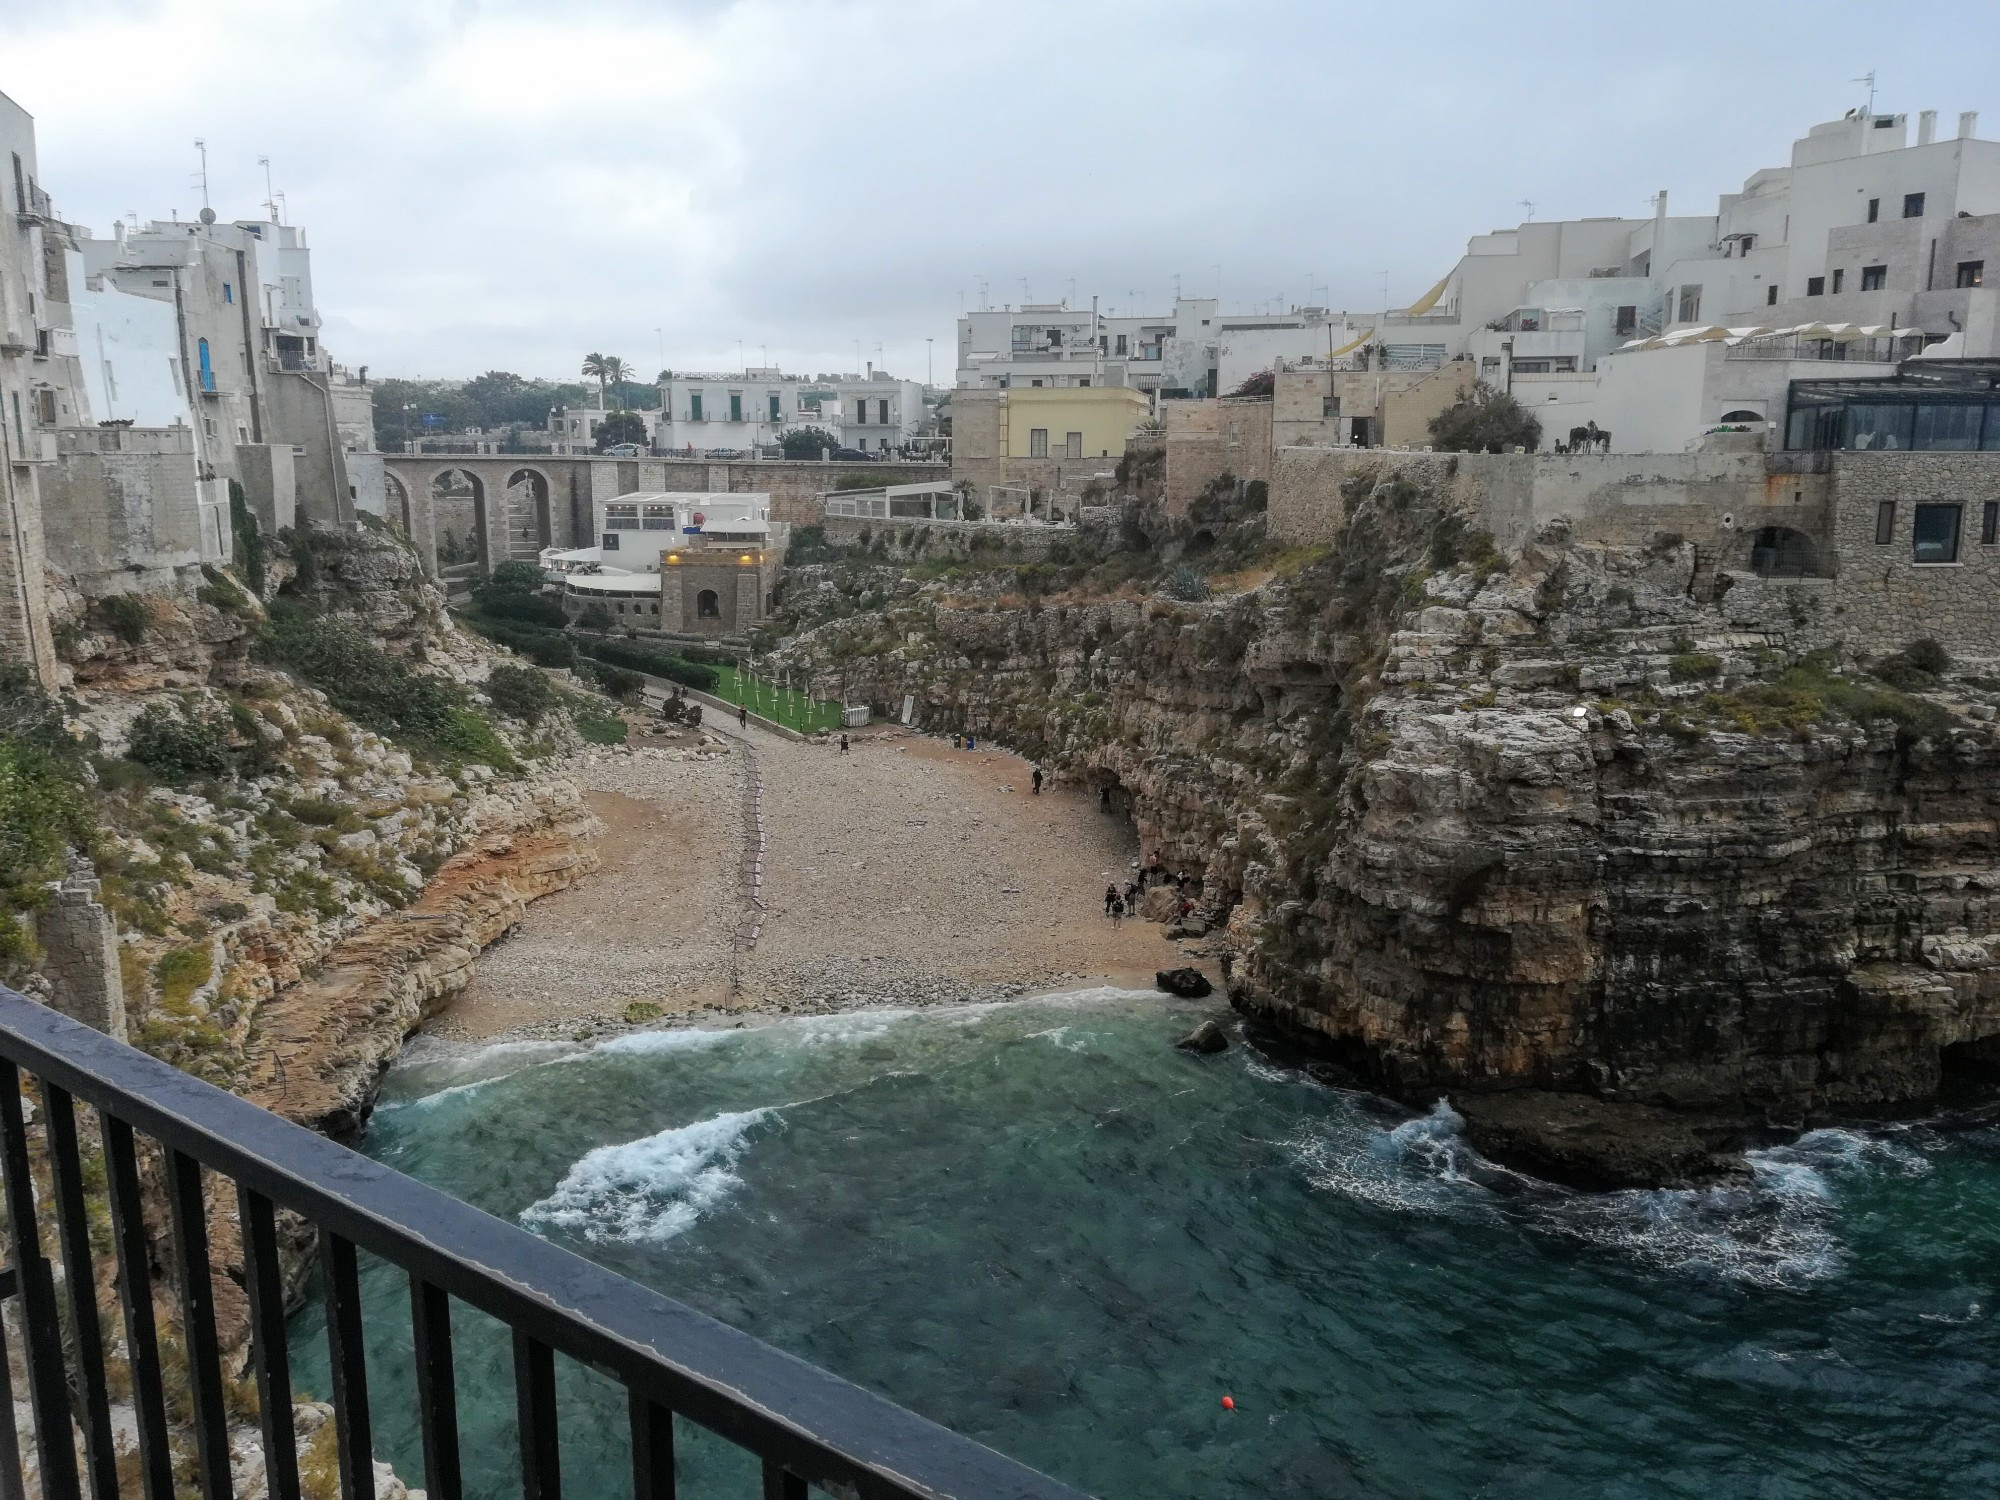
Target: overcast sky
<point>514,183</point>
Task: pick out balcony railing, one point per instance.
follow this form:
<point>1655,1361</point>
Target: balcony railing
<point>807,1427</point>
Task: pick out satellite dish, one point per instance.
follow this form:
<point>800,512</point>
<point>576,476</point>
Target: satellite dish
<point>208,216</point>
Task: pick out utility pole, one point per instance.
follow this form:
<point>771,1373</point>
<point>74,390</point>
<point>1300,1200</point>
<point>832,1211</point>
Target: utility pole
<point>1096,346</point>
<point>270,197</point>
<point>201,146</point>
<point>927,361</point>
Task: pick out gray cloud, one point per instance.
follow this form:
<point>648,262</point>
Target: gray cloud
<point>510,183</point>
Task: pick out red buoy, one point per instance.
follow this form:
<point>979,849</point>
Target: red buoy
<point>1229,1403</point>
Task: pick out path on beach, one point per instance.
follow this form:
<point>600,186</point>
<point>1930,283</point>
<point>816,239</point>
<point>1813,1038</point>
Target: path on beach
<point>900,872</point>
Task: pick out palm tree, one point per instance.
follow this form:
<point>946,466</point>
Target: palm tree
<point>596,367</point>
<point>616,371</point>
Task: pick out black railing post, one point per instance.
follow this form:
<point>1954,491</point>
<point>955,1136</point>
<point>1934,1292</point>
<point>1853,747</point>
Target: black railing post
<point>188,1214</point>
<point>652,1450</point>
<point>264,1282</point>
<point>48,1393</point>
<point>80,1275</point>
<point>11,1480</point>
<point>135,1294</point>
<point>437,1389</point>
<point>350,1369</point>
<point>781,1483</point>
<point>535,1410</point>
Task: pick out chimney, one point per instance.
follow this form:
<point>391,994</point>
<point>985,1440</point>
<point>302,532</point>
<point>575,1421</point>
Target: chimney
<point>1926,127</point>
<point>1968,124</point>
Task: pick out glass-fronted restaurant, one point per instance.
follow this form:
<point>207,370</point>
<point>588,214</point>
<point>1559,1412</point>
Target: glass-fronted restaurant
<point>1926,405</point>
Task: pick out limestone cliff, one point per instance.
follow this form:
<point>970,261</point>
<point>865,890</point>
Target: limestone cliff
<point>1480,822</point>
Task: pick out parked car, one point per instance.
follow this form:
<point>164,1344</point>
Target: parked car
<point>851,456</point>
<point>625,450</point>
<point>725,453</point>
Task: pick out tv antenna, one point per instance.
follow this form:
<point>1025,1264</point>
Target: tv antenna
<point>270,197</point>
<point>201,146</point>
<point>1528,204</point>
<point>1869,79</point>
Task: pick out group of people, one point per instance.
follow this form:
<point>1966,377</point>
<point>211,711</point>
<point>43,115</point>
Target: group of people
<point>965,742</point>
<point>1119,903</point>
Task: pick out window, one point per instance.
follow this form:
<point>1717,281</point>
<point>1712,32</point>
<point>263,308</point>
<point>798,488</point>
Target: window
<point>1771,295</point>
<point>1989,523</point>
<point>1874,278</point>
<point>1913,205</point>
<point>694,406</point>
<point>882,412</point>
<point>20,432</point>
<point>207,370</point>
<point>1690,304</point>
<point>735,406</point>
<point>1038,442</point>
<point>1626,321</point>
<point>1838,277</point>
<point>1874,210</point>
<point>1103,343</point>
<point>1885,523</point>
<point>1877,425</point>
<point>1120,344</point>
<point>1329,408</point>
<point>1072,445</point>
<point>1972,273</point>
<point>1815,286</point>
<point>1940,426</point>
<point>228,292</point>
<point>774,409</point>
<point>1934,535</point>
<point>1083,380</point>
<point>1885,122</point>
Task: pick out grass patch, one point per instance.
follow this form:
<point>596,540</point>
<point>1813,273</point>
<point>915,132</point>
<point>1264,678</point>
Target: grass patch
<point>1807,695</point>
<point>601,729</point>
<point>791,708</point>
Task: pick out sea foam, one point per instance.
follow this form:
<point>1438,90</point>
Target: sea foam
<point>648,1191</point>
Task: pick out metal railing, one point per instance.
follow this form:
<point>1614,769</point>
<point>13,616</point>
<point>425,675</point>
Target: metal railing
<point>807,1427</point>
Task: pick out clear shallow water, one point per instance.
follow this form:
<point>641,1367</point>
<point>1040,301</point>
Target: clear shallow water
<point>1039,1224</point>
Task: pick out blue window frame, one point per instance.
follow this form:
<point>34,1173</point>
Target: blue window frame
<point>207,370</point>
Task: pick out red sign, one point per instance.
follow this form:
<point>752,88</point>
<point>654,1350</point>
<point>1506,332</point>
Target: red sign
<point>700,519</point>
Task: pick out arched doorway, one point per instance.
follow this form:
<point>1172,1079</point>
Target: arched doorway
<point>1780,552</point>
<point>527,511</point>
<point>707,605</point>
<point>458,511</point>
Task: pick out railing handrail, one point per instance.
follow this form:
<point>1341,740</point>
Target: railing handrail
<point>823,1428</point>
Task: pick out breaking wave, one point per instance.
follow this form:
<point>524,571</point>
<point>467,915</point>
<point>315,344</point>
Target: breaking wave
<point>1780,1229</point>
<point>648,1191</point>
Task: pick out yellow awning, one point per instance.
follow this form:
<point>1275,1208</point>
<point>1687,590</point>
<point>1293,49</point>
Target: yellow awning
<point>1350,348</point>
<point>1429,299</point>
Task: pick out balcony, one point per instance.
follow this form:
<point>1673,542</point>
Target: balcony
<point>805,1426</point>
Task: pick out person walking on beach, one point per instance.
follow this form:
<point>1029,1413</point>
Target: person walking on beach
<point>1110,897</point>
<point>1038,781</point>
<point>743,718</point>
<point>843,744</point>
<point>958,741</point>
<point>971,743</point>
<point>1117,911</point>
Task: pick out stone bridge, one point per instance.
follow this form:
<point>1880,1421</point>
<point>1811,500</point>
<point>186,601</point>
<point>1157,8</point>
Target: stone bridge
<point>486,509</point>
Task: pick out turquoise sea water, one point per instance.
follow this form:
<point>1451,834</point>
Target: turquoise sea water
<point>1041,1225</point>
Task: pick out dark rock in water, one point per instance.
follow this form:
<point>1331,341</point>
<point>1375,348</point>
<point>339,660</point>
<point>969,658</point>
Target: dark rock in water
<point>1190,984</point>
<point>1603,1145</point>
<point>1207,1037</point>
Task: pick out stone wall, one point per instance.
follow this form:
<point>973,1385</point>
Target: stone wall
<point>1889,598</point>
<point>270,483</point>
<point>302,414</point>
<point>24,612</point>
<point>1207,439</point>
<point>122,509</point>
<point>80,955</point>
<point>949,541</point>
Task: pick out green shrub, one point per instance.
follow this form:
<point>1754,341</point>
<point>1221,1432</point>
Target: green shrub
<point>180,973</point>
<point>221,592</point>
<point>125,616</point>
<point>366,683</point>
<point>1694,667</point>
<point>44,809</point>
<point>545,648</point>
<point>1918,667</point>
<point>530,609</point>
<point>179,746</point>
<point>594,617</point>
<point>616,682</point>
<point>246,546</point>
<point>657,663</point>
<point>515,577</point>
<point>1185,583</point>
<point>520,693</point>
<point>641,1011</point>
<point>602,729</point>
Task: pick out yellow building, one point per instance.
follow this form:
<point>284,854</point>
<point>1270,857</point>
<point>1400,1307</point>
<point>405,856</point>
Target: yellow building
<point>1069,422</point>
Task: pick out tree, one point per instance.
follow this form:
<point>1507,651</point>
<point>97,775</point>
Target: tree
<point>597,367</point>
<point>808,442</point>
<point>621,427</point>
<point>1263,383</point>
<point>1485,420</point>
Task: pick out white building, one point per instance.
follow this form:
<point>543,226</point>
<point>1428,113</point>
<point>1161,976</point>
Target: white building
<point>634,530</point>
<point>739,414</point>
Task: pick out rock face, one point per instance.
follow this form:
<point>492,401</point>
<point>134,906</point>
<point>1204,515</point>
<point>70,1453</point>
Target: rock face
<point>1207,1038</point>
<point>1479,823</point>
<point>1191,984</point>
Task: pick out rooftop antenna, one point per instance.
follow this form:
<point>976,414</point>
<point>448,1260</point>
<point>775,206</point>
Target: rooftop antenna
<point>270,198</point>
<point>1869,79</point>
<point>1528,204</point>
<point>283,207</point>
<point>202,146</point>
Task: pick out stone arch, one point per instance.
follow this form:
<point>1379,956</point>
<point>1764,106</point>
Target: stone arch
<point>1742,414</point>
<point>1780,552</point>
<point>708,605</point>
<point>458,508</point>
<point>526,514</point>
<point>396,496</point>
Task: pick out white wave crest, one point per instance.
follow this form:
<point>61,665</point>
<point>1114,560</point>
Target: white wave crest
<point>648,1191</point>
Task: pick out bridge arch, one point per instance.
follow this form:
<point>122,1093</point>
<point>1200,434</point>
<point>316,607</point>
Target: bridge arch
<point>1780,552</point>
<point>459,513</point>
<point>529,527</point>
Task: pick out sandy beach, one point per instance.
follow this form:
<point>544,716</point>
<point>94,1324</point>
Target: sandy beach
<point>902,872</point>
